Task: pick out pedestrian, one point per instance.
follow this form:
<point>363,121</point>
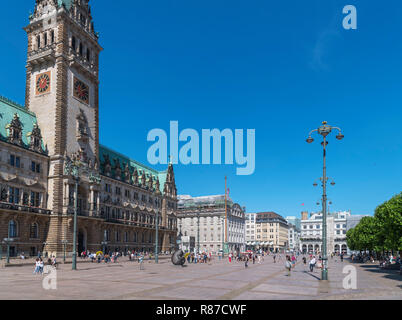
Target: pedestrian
<point>312,264</point>
<point>293,261</point>
<point>274,258</point>
<point>288,265</point>
<point>41,265</point>
<point>304,260</point>
<point>246,263</point>
<point>141,261</point>
<point>342,257</point>
<point>37,266</point>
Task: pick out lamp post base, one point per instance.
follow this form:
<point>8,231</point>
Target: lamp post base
<point>225,248</point>
<point>324,274</point>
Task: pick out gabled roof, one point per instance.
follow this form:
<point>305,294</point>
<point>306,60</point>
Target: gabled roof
<point>114,155</point>
<point>186,201</point>
<point>270,215</point>
<point>7,110</point>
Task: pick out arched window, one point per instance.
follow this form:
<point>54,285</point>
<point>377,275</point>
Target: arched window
<point>52,36</point>
<point>45,39</point>
<point>38,41</point>
<point>34,234</point>
<point>135,237</point>
<point>126,236</point>
<point>12,229</point>
<point>73,43</point>
<point>107,235</point>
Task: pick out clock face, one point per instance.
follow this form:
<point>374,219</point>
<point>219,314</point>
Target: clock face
<point>81,91</point>
<point>43,83</point>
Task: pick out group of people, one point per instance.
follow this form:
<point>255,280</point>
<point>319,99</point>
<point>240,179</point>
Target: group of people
<point>203,257</point>
<point>39,264</point>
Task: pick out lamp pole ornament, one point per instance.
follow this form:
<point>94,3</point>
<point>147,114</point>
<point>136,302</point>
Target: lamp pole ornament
<point>324,130</point>
<point>75,168</point>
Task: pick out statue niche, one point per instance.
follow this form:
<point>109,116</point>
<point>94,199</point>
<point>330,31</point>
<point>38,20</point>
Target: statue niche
<point>82,128</point>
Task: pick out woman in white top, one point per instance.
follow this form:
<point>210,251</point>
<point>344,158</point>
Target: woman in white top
<point>37,266</point>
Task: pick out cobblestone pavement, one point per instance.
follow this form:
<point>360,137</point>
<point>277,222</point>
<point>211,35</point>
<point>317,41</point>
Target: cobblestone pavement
<point>215,281</point>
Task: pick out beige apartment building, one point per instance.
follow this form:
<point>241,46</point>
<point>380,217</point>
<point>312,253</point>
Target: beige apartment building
<point>271,231</point>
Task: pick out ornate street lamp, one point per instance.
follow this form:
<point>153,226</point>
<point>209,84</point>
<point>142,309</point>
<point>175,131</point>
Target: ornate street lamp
<point>104,244</point>
<point>8,241</point>
<point>178,240</point>
<point>324,130</point>
<point>64,242</point>
<point>156,237</point>
<point>198,229</point>
<point>76,168</point>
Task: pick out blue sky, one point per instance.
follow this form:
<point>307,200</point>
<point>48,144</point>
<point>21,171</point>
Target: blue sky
<point>279,67</point>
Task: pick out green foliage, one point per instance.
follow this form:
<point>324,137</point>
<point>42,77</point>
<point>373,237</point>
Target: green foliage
<point>389,223</point>
<point>383,231</point>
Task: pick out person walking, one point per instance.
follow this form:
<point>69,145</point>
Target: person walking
<point>288,265</point>
<point>312,264</point>
<point>246,263</point>
<point>37,266</point>
<point>274,258</point>
<point>341,257</point>
<point>293,261</point>
<point>141,262</point>
<point>304,260</point>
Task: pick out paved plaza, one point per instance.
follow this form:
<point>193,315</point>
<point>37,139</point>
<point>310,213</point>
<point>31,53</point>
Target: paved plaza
<point>219,280</point>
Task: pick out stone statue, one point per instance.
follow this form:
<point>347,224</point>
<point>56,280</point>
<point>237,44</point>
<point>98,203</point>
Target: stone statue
<point>178,258</point>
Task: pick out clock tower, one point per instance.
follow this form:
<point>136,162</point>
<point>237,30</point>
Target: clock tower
<point>62,83</point>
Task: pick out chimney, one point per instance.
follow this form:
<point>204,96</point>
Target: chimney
<point>304,215</point>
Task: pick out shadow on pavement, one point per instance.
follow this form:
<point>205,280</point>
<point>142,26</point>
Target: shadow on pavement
<point>306,272</point>
<point>388,273</point>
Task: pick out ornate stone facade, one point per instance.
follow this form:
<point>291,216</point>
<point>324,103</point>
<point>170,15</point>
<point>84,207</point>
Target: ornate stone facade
<point>60,123</point>
<point>204,219</point>
<point>311,232</point>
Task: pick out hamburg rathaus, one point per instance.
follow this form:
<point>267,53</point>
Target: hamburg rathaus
<point>119,202</point>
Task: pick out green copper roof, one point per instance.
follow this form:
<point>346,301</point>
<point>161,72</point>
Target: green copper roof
<point>66,3</point>
<point>7,110</point>
<point>113,155</point>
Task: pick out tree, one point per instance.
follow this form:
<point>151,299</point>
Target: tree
<point>389,223</point>
<point>351,239</point>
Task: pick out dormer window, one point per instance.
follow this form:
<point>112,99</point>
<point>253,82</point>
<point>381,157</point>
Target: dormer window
<point>36,139</point>
<point>15,130</point>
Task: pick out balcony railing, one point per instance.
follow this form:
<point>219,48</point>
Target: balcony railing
<point>18,207</point>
